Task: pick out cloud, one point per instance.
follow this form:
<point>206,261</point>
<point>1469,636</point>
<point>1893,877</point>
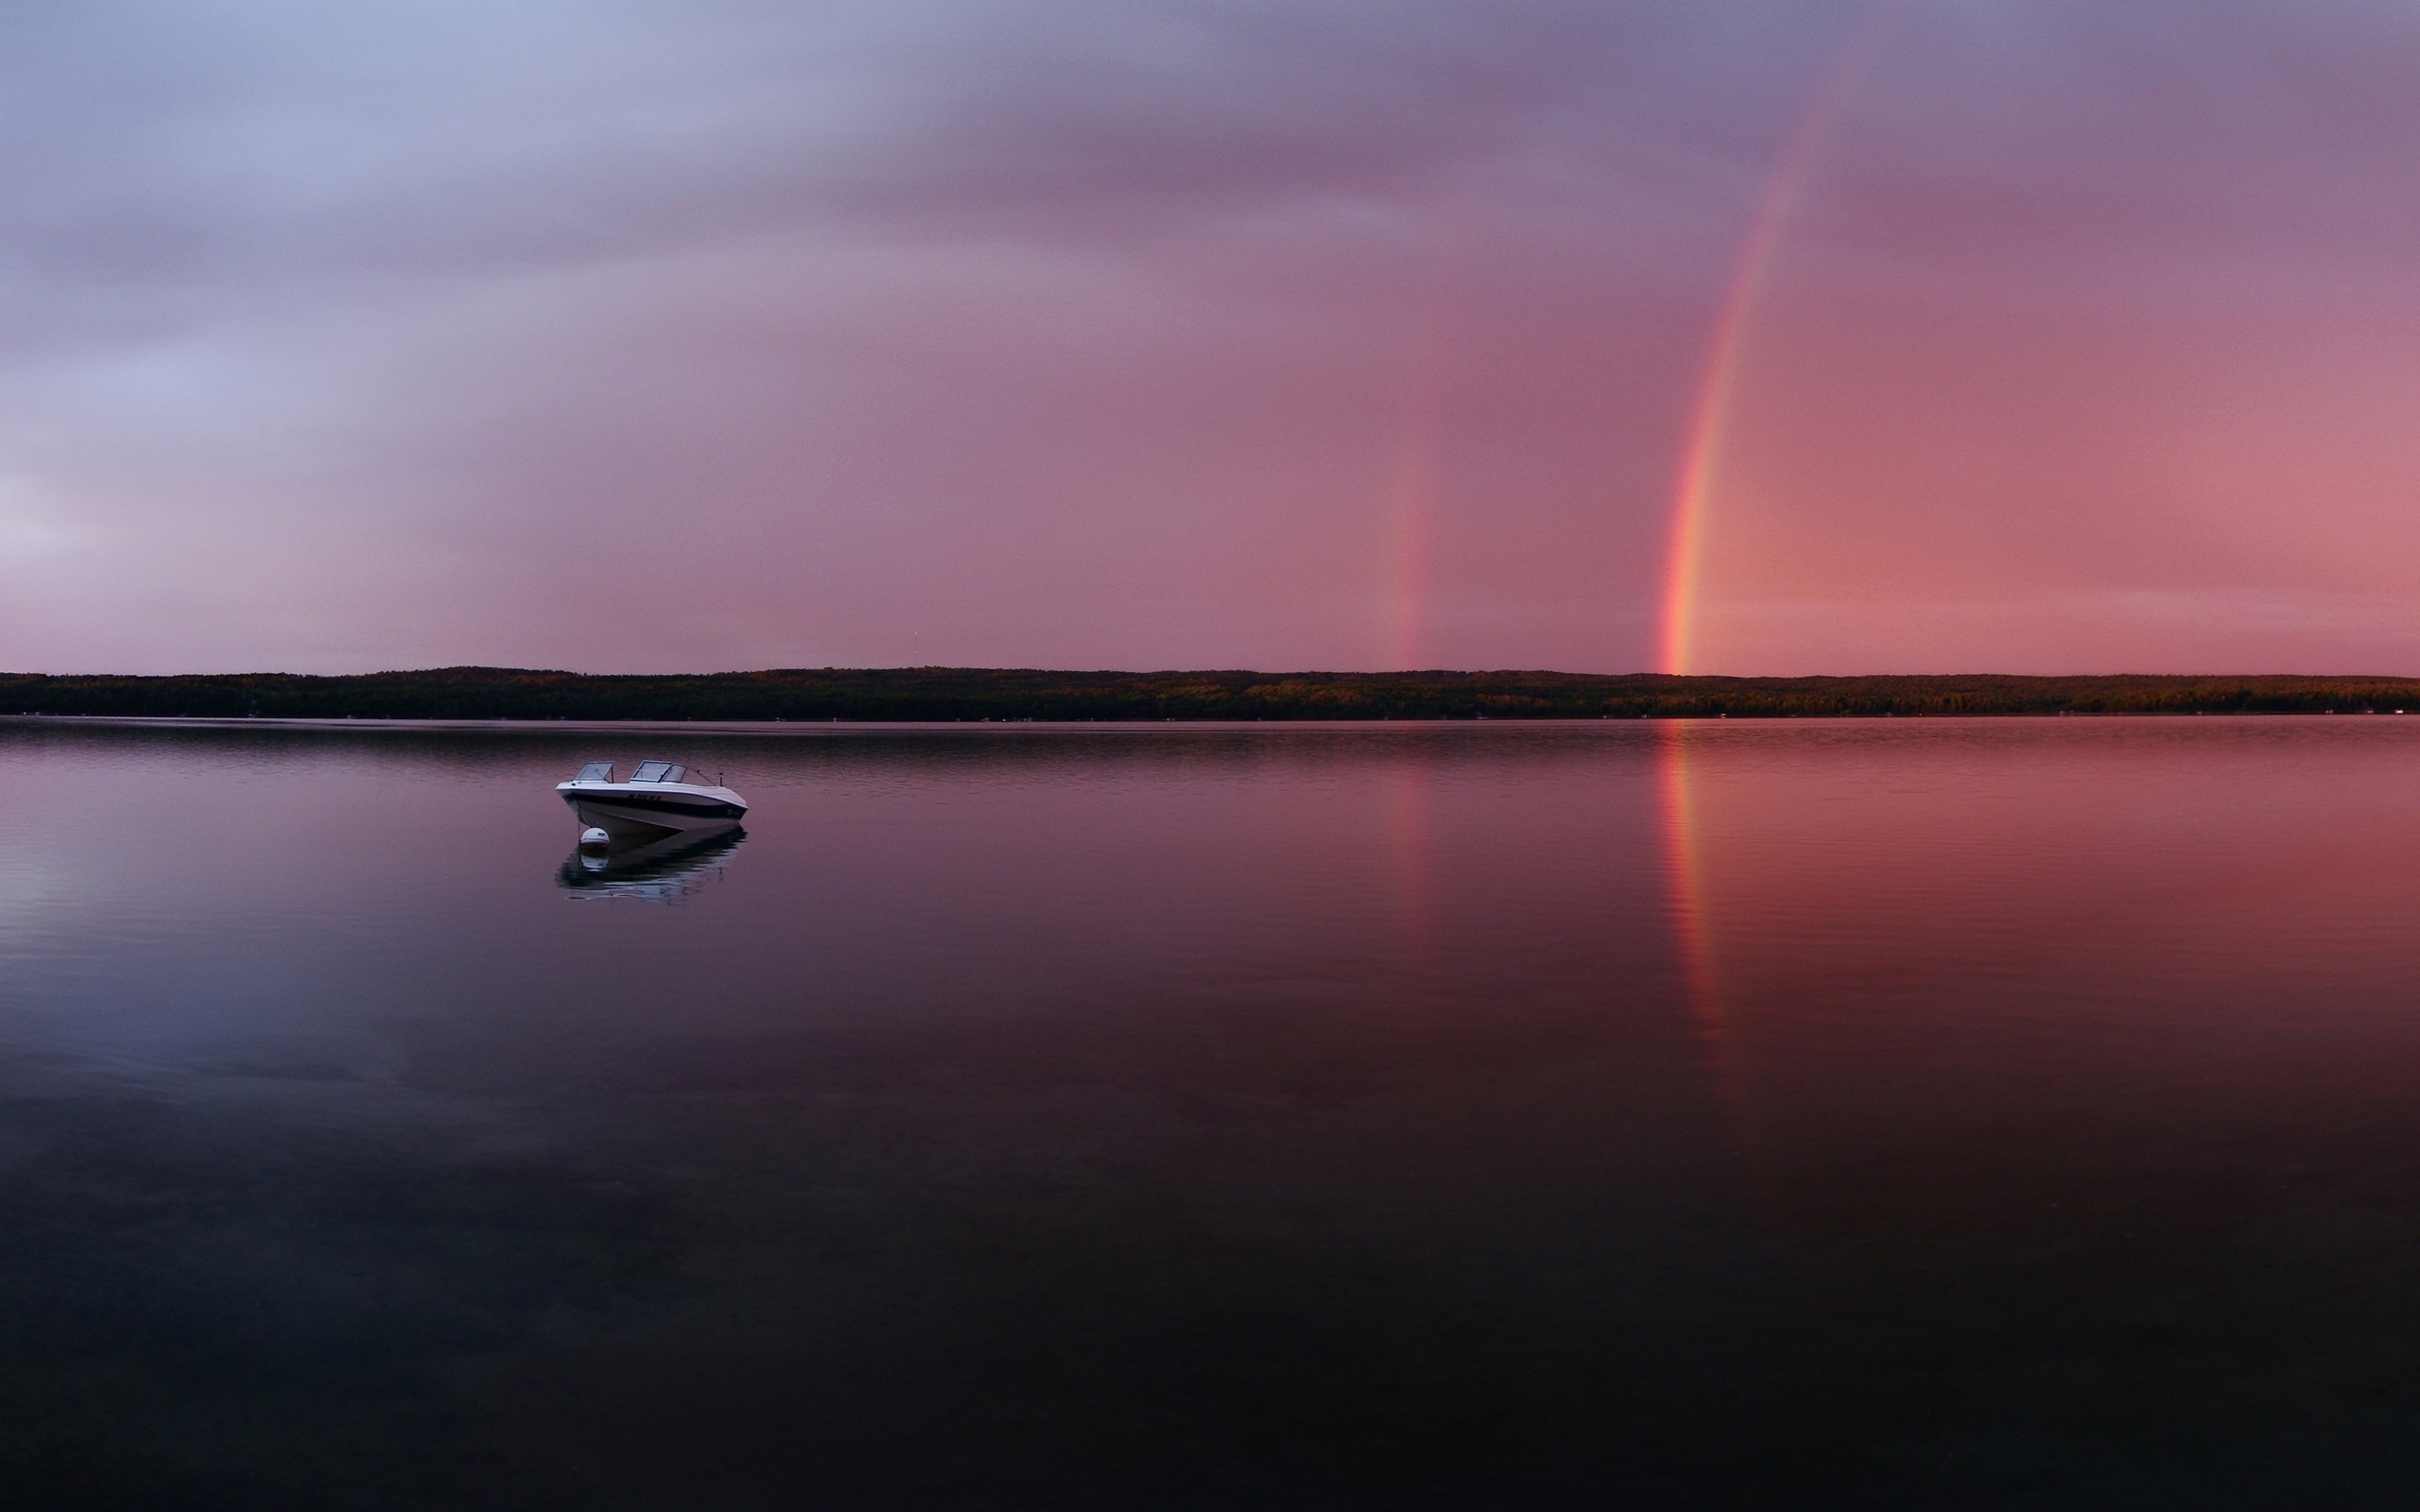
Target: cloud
<point>736,334</point>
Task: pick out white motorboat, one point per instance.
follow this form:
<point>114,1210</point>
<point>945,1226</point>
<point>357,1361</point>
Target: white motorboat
<point>657,799</point>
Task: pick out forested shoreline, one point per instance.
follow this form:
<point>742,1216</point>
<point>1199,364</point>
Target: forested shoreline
<point>977,693</point>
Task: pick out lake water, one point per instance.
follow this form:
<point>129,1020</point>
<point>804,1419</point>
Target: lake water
<point>1930,1113</point>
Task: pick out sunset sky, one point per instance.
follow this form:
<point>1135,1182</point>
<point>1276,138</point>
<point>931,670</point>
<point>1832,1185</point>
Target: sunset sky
<point>2020,336</point>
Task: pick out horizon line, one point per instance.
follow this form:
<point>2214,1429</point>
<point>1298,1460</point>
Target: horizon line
<point>496,668</point>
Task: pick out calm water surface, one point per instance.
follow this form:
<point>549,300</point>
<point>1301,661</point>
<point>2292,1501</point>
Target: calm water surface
<point>1940,1114</point>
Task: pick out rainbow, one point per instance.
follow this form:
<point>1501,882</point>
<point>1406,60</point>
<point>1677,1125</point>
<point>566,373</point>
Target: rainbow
<point>1710,404</point>
<point>1411,494</point>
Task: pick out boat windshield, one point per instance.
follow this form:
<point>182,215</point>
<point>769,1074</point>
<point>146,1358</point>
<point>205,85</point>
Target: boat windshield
<point>656,772</point>
<point>595,772</point>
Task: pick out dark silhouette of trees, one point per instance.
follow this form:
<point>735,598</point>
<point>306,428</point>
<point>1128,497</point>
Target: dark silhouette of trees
<point>975,694</point>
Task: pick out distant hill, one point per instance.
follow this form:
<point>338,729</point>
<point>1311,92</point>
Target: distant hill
<point>970,692</point>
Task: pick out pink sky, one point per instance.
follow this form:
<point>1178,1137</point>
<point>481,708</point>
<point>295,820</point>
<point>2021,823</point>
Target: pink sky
<point>689,336</point>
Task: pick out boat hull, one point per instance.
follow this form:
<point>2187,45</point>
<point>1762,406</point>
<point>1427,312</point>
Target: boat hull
<point>637,815</point>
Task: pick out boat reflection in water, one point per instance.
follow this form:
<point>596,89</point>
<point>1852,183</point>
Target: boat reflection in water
<point>660,871</point>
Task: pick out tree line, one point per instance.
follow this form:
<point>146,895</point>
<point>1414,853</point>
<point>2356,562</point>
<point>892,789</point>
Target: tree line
<point>945,694</point>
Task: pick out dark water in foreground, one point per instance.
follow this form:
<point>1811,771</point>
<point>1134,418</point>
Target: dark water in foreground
<point>1903,1113</point>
